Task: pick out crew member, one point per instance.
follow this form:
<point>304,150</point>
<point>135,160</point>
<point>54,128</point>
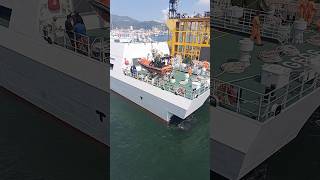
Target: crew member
<point>189,71</point>
<point>302,8</point>
<point>310,11</point>
<point>77,18</point>
<point>256,28</point>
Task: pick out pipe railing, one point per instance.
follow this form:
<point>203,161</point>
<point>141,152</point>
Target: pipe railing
<point>95,48</point>
<point>177,89</point>
<point>272,27</point>
<point>260,106</point>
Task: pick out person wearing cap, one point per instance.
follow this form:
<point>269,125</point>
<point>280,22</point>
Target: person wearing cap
<point>77,18</point>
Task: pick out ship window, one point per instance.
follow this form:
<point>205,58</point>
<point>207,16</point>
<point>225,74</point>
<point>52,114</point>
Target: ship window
<point>5,15</point>
<point>111,66</point>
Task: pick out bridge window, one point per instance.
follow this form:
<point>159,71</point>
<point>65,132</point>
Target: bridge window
<point>5,15</point>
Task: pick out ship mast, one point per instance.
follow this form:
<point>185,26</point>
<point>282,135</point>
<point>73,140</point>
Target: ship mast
<point>173,8</point>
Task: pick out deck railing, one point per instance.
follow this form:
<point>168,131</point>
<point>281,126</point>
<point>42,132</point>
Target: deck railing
<point>165,84</point>
<point>262,106</point>
<point>276,25</point>
<point>95,48</point>
<point>272,27</point>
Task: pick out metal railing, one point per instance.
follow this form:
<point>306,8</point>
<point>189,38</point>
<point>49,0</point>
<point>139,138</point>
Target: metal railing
<point>262,106</point>
<point>199,72</point>
<point>165,84</point>
<point>276,25</point>
<point>272,27</point>
<point>95,48</point>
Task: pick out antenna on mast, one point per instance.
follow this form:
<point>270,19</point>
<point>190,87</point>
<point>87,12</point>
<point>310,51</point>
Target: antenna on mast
<point>173,8</point>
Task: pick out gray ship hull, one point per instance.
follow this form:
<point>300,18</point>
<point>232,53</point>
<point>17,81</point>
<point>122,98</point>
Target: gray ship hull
<point>235,154</point>
<point>75,102</point>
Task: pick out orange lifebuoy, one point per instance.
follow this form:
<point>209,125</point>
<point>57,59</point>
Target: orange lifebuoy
<point>221,92</point>
<point>206,64</point>
<point>232,95</point>
<point>180,91</point>
<point>54,5</point>
<point>227,94</point>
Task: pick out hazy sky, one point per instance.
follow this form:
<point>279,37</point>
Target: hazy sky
<point>155,9</point>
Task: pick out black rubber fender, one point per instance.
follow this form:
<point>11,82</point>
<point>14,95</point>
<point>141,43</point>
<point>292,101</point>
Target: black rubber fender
<point>278,110</point>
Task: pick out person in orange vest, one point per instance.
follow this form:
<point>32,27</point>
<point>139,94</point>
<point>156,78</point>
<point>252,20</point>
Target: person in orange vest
<point>189,71</point>
<point>310,11</point>
<point>256,28</point>
<point>302,8</point>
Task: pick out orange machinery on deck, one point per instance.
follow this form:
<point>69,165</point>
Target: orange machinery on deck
<point>148,65</point>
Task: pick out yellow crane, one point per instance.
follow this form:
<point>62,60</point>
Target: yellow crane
<point>188,34</point>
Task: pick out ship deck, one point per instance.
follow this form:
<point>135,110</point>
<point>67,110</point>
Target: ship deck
<point>179,87</point>
<point>95,43</point>
<point>232,53</point>
<point>253,101</point>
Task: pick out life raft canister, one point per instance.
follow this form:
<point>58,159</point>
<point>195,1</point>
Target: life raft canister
<point>53,5</point>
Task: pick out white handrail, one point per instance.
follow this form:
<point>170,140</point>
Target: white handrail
<point>167,86</point>
<point>283,96</point>
<point>270,28</point>
<point>77,42</point>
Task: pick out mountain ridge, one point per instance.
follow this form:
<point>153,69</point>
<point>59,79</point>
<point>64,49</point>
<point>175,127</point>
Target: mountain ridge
<point>124,22</point>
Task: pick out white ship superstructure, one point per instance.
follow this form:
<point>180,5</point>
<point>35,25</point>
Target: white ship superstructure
<point>263,95</point>
<point>167,98</point>
<point>129,35</point>
<point>39,63</point>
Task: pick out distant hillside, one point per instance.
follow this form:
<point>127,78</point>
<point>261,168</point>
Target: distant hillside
<point>126,22</point>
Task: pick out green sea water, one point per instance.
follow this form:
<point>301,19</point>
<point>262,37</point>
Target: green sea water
<point>36,146</point>
<point>145,148</point>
